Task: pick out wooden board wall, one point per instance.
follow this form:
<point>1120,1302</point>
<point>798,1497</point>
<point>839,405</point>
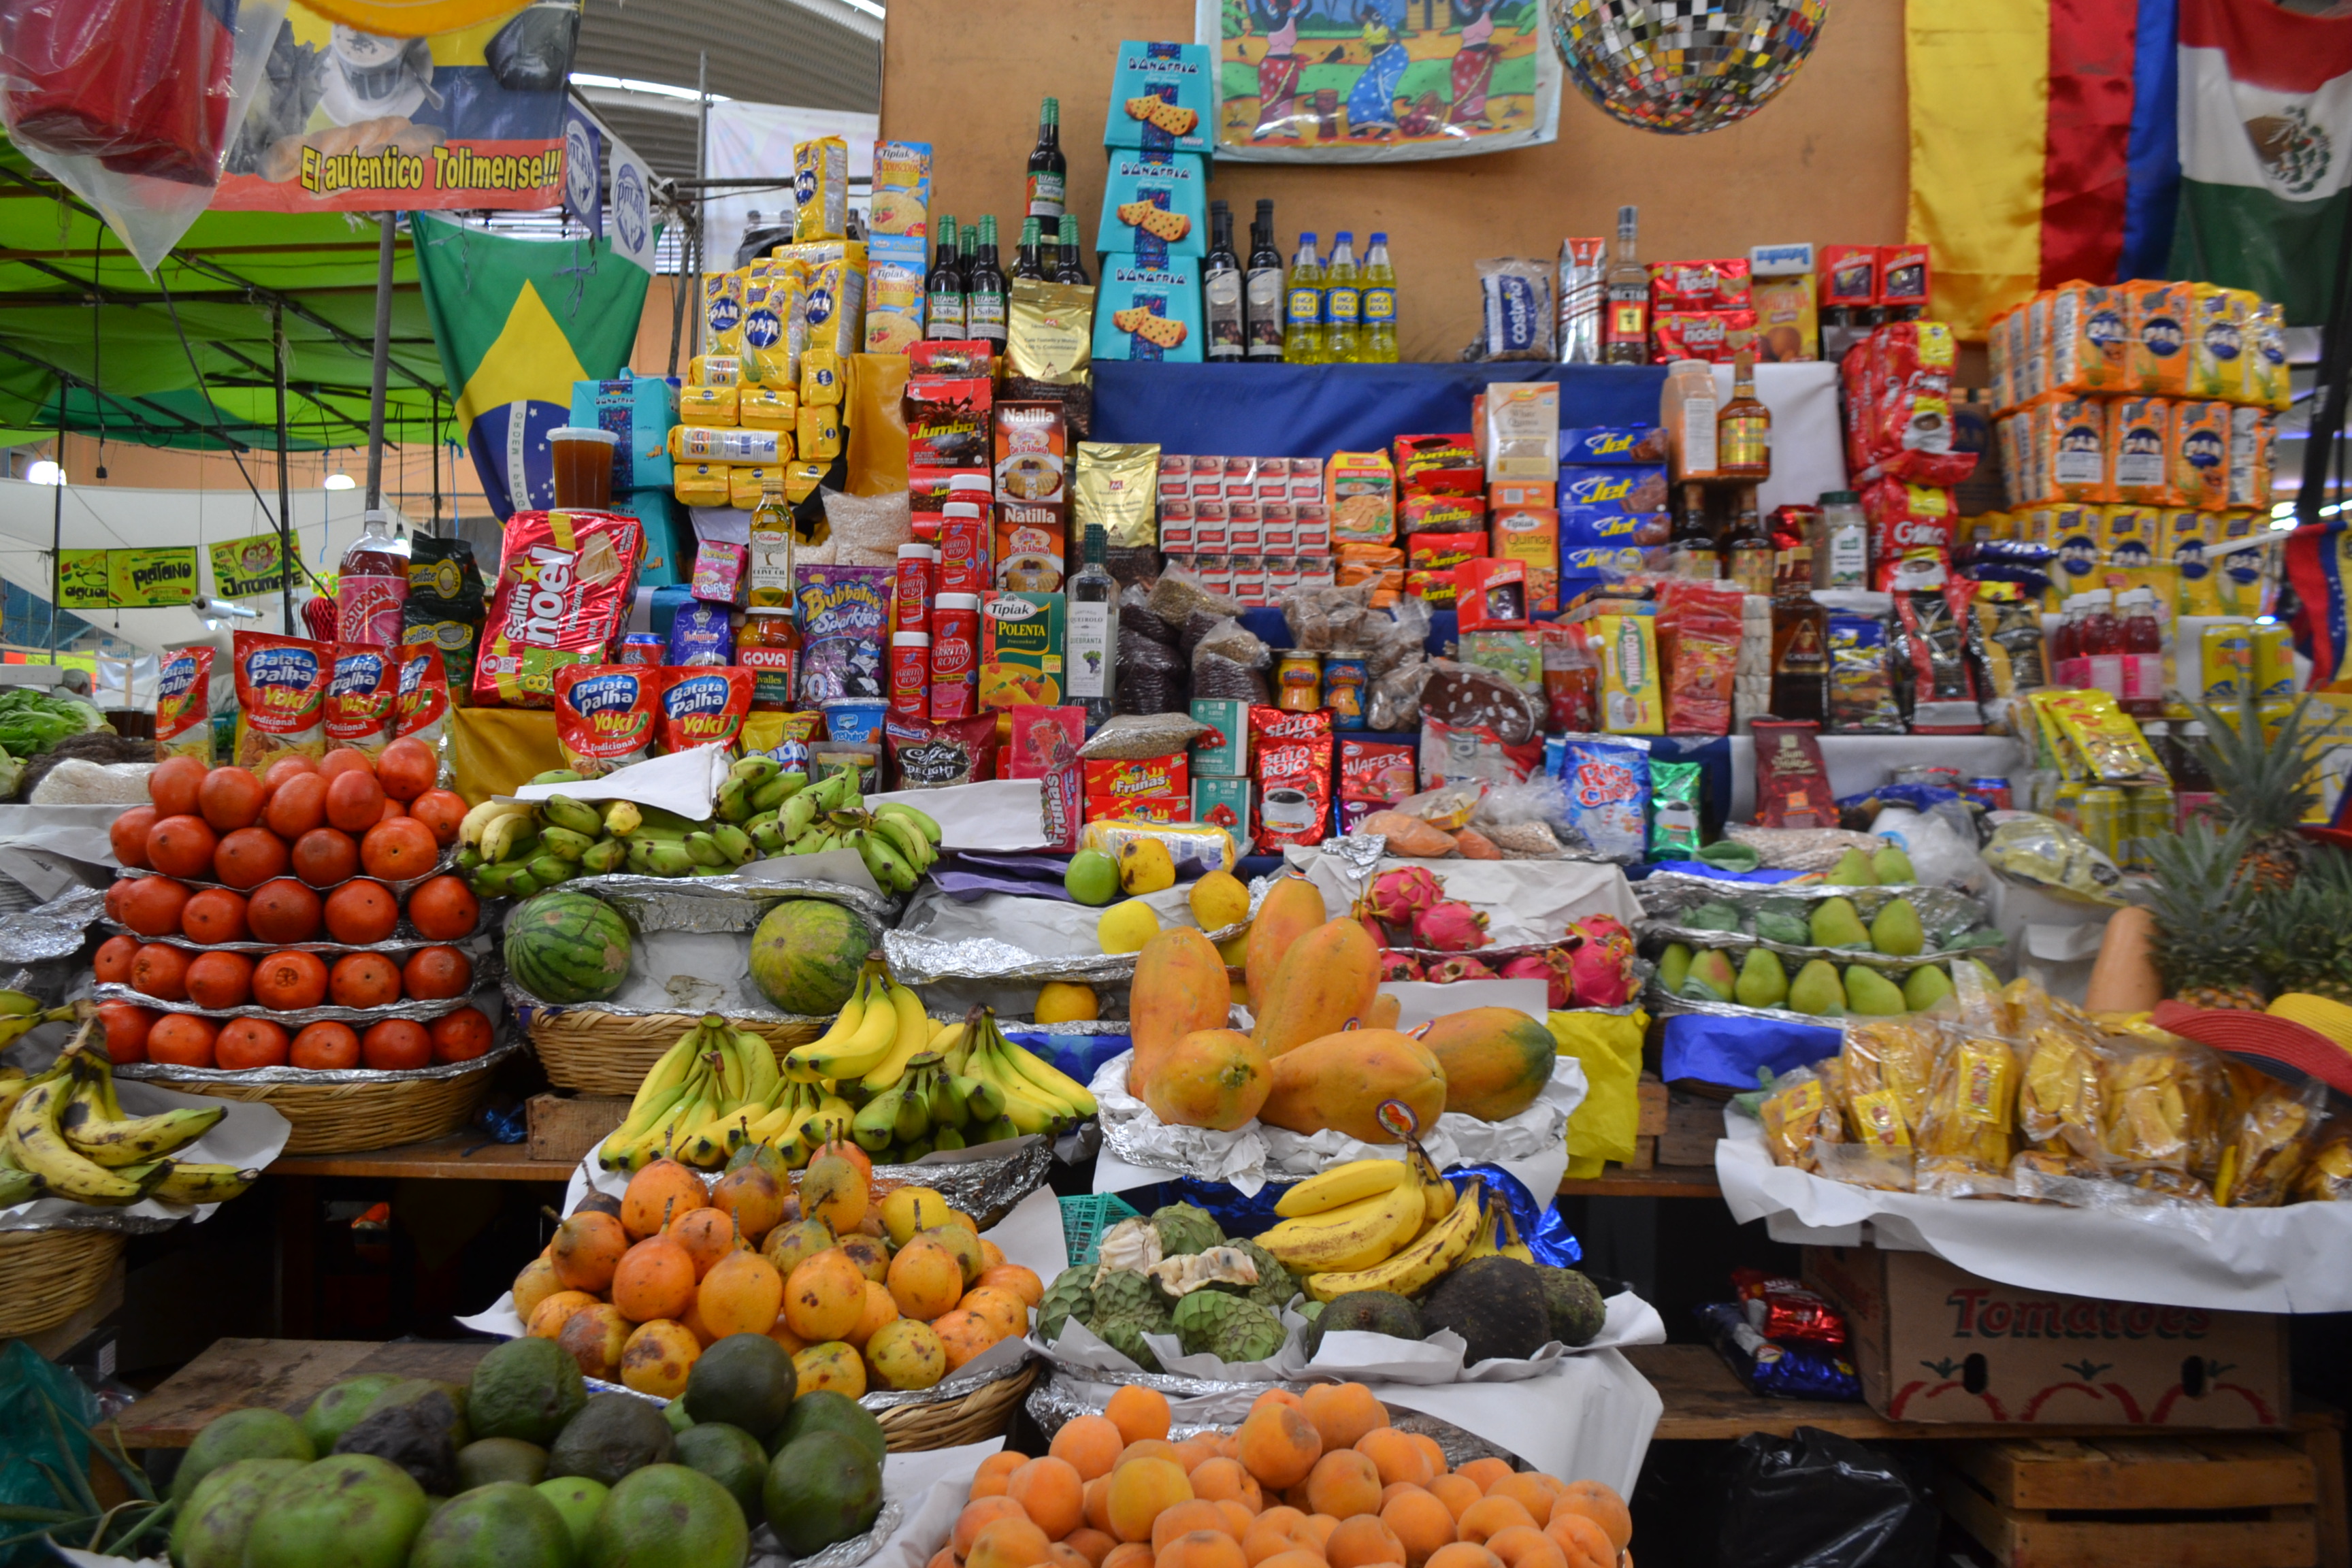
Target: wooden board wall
<point>1824,161</point>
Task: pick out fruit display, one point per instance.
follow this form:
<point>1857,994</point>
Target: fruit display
<point>1217,899</point>
<point>522,1465</point>
<point>513,848</point>
<point>1313,1480</point>
<point>863,1287</point>
<point>1425,935</point>
<point>68,1137</point>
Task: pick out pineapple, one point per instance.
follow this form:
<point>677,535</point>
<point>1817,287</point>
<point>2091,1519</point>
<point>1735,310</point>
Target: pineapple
<point>2307,929</point>
<point>2264,783</point>
<point>2209,946</point>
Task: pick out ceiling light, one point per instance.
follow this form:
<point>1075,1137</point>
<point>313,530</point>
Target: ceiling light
<point>663,89</point>
<point>339,482</point>
<point>45,472</point>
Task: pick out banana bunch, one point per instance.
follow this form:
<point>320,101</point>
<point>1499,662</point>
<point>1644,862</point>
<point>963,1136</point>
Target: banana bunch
<point>1379,1224</point>
<point>19,1013</point>
<point>1038,1096</point>
<point>67,1137</point>
<point>699,1101</point>
<point>514,848</point>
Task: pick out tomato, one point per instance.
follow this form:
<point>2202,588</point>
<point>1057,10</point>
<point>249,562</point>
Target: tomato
<point>396,1043</point>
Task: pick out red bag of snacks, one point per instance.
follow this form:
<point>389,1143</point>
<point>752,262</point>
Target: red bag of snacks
<point>1698,628</point>
<point>1899,406</point>
<point>604,715</point>
<point>360,696</point>
<point>1792,784</point>
<point>421,709</point>
<point>563,587</point>
<point>183,706</point>
<point>1571,676</point>
<point>1933,611</point>
<point>1720,285</point>
<point>1711,335</point>
<point>282,697</point>
<point>1290,757</point>
<point>702,707</point>
<point>1904,517</point>
<point>933,756</point>
<point>1373,774</point>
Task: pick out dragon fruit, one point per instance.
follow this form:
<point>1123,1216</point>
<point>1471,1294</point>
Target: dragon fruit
<point>1601,967</point>
<point>1446,970</point>
<point>1533,966</point>
<point>1375,930</point>
<point>1450,926</point>
<point>1398,896</point>
<point>1400,966</point>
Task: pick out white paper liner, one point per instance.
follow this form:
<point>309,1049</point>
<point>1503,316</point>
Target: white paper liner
<point>2289,1259</point>
<point>249,1137</point>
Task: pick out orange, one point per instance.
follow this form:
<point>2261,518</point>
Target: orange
<point>1140,1491</point>
<point>1490,1515</point>
<point>1343,1412</point>
<point>1344,1484</point>
<point>1137,1413</point>
<point>983,1511</point>
<point>1396,1456</point>
<point>1524,1546</point>
<point>1278,1444</point>
<point>1090,1444</point>
<point>1051,1492</point>
<point>1361,1541</point>
<point>1420,1521</point>
<point>250,1043</point>
<point>1602,1505</point>
<point>994,1471</point>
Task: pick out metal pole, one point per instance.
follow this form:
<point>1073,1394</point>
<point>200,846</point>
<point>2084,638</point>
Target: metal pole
<point>435,437</point>
<point>383,360</point>
<point>701,169</point>
<point>285,486</point>
<point>58,524</point>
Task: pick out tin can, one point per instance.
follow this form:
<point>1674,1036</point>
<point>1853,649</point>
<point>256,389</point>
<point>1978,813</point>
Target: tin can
<point>639,649</point>
<point>911,674</point>
<point>955,657</point>
<point>1992,794</point>
<point>963,550</point>
<point>1345,676</point>
<point>2150,818</point>
<point>911,590</point>
<point>2067,806</point>
<point>1298,681</point>
<point>2225,656</point>
<point>2100,818</point>
<point>2273,662</point>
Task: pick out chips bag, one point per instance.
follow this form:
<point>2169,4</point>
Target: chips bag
<point>282,697</point>
<point>605,716</point>
<point>183,706</point>
<point>361,695</point>
<point>563,587</point>
<point>702,707</point>
<point>421,709</point>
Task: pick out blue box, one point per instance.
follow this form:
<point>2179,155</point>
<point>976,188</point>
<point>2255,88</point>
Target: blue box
<point>1593,540</point>
<point>1640,489</point>
<point>1155,206</point>
<point>1180,77</point>
<point>669,536</point>
<point>640,410</point>
<point>1612,446</point>
<point>1149,312</point>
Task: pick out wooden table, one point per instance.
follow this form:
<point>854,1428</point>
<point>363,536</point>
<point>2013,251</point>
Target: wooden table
<point>1657,1182</point>
<point>464,1156</point>
<point>284,1375</point>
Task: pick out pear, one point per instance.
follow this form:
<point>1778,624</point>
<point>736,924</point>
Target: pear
<point>1817,991</point>
<point>1852,870</point>
<point>1762,982</point>
<point>1710,978</point>
<point>1871,993</point>
<point>1673,965</point>
<point>1896,930</point>
<point>1835,925</point>
<point>1926,986</point>
<point>1892,867</point>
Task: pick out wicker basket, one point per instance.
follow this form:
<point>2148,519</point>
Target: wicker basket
<point>350,1118</point>
<point>986,1412</point>
<point>48,1276</point>
<point>590,1052</point>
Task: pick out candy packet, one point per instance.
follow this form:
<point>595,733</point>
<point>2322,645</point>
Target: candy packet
<point>1795,1112</point>
<point>1893,1061</point>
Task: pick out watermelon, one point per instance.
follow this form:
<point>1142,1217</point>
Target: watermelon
<point>566,947</point>
<point>806,954</point>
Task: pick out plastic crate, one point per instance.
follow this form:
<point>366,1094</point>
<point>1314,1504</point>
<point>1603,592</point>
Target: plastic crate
<point>1083,1221</point>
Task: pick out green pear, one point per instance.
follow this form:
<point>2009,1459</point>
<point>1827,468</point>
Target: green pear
<point>1892,867</point>
<point>1673,964</point>
<point>1835,925</point>
<point>1852,870</point>
<point>1710,978</point>
<point>1896,930</point>
<point>1871,993</point>
<point>1817,991</point>
<point>1926,986</point>
<point>1762,982</point>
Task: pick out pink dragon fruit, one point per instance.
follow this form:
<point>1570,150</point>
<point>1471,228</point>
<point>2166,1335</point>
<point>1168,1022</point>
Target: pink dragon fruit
<point>1375,930</point>
<point>1398,896</point>
<point>1450,926</point>
<point>1602,963</point>
<point>1400,966</point>
<point>1446,970</point>
<point>1532,966</point>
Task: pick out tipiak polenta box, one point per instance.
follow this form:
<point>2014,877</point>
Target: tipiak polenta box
<point>1020,649</point>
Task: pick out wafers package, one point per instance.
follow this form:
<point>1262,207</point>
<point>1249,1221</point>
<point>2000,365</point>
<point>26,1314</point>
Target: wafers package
<point>563,587</point>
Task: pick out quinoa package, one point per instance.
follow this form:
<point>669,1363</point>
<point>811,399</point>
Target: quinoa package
<point>421,709</point>
<point>704,707</point>
<point>183,706</point>
<point>604,715</point>
<point>563,587</point>
<point>282,697</point>
<point>362,696</point>
<point>444,604</point>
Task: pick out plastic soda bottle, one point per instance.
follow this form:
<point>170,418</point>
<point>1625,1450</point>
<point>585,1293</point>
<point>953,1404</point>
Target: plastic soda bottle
<point>1380,303</point>
<point>1302,333</point>
<point>1343,303</point>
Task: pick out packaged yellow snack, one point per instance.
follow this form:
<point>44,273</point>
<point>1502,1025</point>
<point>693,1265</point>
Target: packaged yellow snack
<point>710,407</point>
<point>820,433</point>
<point>1795,1112</point>
<point>722,312</point>
<point>1968,1131</point>
<point>2158,318</point>
<point>2145,1093</point>
<point>2183,537</point>
<point>1633,690</point>
<point>2328,1179</point>
<point>774,337</point>
<point>2266,376</point>
<point>2126,538</point>
<point>834,307</point>
<point>2271,1143</point>
<point>2102,735</point>
<point>745,483</point>
<point>2058,1096</point>
<point>701,484</point>
<point>820,379</point>
<point>768,408</point>
<point>2086,339</point>
<point>2217,340</point>
<point>1892,1056</point>
<point>714,370</point>
<point>821,187</point>
<point>800,479</point>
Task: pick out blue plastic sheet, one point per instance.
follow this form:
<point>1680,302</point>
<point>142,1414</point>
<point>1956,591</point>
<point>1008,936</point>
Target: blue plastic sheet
<point>1080,1056</point>
<point>1728,1052</point>
<point>1716,873</point>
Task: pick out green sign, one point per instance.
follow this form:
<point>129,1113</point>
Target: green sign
<point>126,579</point>
<point>243,566</point>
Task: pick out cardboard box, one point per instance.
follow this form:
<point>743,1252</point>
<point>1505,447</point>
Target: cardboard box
<point>1180,77</point>
<point>1021,643</point>
<point>1224,803</point>
<point>639,409</point>
<point>1155,206</point>
<point>1146,312</point>
<point>1224,752</point>
<point>1935,1343</point>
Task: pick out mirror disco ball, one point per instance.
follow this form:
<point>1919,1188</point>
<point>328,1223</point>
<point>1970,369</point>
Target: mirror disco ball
<point>1684,66</point>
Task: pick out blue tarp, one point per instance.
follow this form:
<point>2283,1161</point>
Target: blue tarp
<point>1728,1050</point>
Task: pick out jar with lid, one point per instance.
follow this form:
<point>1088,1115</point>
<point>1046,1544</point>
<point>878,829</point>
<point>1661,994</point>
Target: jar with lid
<point>1345,676</point>
<point>1298,680</point>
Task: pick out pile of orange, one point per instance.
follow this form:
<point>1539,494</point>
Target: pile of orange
<point>1321,1481</point>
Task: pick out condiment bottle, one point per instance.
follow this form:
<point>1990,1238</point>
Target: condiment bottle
<point>1744,427</point>
<point>1842,556</point>
<point>1687,409</point>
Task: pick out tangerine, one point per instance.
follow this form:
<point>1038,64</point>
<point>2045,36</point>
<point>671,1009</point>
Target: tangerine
<point>128,834</point>
<point>401,1043</point>
<point>125,1025</point>
<point>111,965</point>
<point>151,906</point>
<point>282,911</point>
<point>229,798</point>
<point>327,1046</point>
<point>182,846</point>
<point>326,855</point>
<point>220,980</point>
<point>443,811</point>
<point>174,784</point>
<point>364,980</point>
<point>445,908</point>
<point>436,974</point>
<point>463,1036</point>
<point>250,1043</point>
<point>182,1039</point>
<point>289,981</point>
<point>160,972</point>
<point>360,912</point>
<point>213,915</point>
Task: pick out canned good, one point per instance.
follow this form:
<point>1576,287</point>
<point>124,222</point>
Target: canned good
<point>1298,681</point>
<point>1345,676</point>
<point>2100,818</point>
<point>912,587</point>
<point>2067,806</point>
<point>2150,818</point>
<point>911,674</point>
<point>2225,654</point>
<point>640,650</point>
<point>1992,794</point>
<point>2273,662</point>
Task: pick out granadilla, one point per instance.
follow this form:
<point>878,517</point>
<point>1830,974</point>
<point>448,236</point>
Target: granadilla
<point>1450,926</point>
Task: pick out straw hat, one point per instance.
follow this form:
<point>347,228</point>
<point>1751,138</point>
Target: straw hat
<point>2300,1037</point>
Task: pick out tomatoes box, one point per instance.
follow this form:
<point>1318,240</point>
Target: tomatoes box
<point>1936,1343</point>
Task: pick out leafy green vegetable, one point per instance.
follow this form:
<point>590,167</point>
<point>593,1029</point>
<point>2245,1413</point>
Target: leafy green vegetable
<point>32,722</point>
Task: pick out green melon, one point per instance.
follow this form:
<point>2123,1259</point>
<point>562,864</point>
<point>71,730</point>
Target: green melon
<point>567,947</point>
<point>807,953</point>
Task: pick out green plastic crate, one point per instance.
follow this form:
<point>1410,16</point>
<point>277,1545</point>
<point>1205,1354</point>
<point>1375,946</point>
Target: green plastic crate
<point>1083,1221</point>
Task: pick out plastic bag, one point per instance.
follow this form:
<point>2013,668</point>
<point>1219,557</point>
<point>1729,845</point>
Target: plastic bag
<point>2271,1141</point>
<point>1394,701</point>
<point>1603,1127</point>
<point>1815,1500</point>
<point>1228,659</point>
<point>1132,737</point>
<point>2038,852</point>
<point>30,1388</point>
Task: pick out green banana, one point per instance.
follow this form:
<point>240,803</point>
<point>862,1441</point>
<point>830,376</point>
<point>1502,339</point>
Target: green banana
<point>577,816</point>
<point>704,849</point>
<point>468,859</point>
<point>947,1138</point>
<point>734,802</point>
<point>998,1130</point>
<point>875,1122</point>
<point>908,1154</point>
<point>829,792</point>
<point>768,838</point>
<point>549,869</point>
<point>604,856</point>
<point>733,843</point>
<point>983,1099</point>
<point>922,820</point>
<point>556,776</point>
<point>754,768</point>
<point>19,1004</point>
<point>622,817</point>
<point>905,837</point>
<point>669,860</point>
<point>565,844</point>
<point>795,816</point>
<point>773,792</point>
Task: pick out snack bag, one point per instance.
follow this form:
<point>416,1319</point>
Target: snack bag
<point>1290,758</point>
<point>563,587</point>
<point>932,756</point>
<point>2058,1104</point>
<point>1899,408</point>
<point>360,696</point>
<point>183,706</point>
<point>2265,383</point>
<point>820,189</point>
<point>281,698</point>
<point>1796,1114</point>
<point>1606,779</point>
<point>1861,679</point>
<point>1968,1131</point>
<point>844,616</point>
<point>2251,431</point>
<point>1943,694</point>
<point>1698,633</point>
<point>703,707</point>
<point>2271,1139</point>
<point>2075,431</point>
<point>1891,1063</point>
<point>2199,455</point>
<point>421,709</point>
<point>605,716</point>
<point>722,316</point>
<point>1792,783</point>
<point>1902,518</point>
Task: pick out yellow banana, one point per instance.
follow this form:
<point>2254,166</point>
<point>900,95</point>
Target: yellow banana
<point>913,1038</point>
<point>669,1071</point>
<point>1415,1268</point>
<point>135,1140</point>
<point>38,1147</point>
<point>760,1067</point>
<point>1342,1184</point>
<point>862,1052</point>
<point>1353,1236</point>
<point>186,1183</point>
<point>843,1029</point>
<point>1048,1078</point>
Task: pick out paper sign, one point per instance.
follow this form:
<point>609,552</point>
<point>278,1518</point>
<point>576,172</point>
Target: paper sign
<point>242,566</point>
<point>82,580</point>
<point>147,579</point>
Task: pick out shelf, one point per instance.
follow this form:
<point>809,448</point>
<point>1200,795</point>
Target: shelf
<point>466,1156</point>
<point>1658,1182</point>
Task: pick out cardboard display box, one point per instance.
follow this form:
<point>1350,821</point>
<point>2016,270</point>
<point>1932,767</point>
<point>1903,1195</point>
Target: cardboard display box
<point>1936,1343</point>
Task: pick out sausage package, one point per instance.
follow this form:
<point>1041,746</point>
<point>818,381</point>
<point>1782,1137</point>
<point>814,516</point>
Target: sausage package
<point>282,697</point>
<point>564,585</point>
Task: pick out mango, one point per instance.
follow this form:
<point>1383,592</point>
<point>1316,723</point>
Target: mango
<point>1293,907</point>
<point>1218,899</point>
<point>1127,927</point>
<point>1495,1060</point>
<point>1327,978</point>
<point>1180,989</point>
<point>1211,1078</point>
<point>1337,1081</point>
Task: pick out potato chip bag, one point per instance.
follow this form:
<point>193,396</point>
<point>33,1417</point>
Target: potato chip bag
<point>282,697</point>
<point>700,707</point>
<point>422,708</point>
<point>183,706</point>
<point>362,694</point>
<point>604,715</point>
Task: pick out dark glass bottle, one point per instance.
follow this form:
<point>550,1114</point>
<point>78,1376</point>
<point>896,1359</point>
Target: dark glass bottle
<point>1049,180</point>
<point>1221,289</point>
<point>1024,258</point>
<point>1070,263</point>
<point>943,289</point>
<point>1692,547</point>
<point>983,300</point>
<point>1262,289</point>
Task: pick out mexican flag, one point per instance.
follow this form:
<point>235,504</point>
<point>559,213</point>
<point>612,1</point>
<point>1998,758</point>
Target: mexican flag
<point>2265,140</point>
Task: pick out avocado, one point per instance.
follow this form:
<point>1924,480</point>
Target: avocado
<point>1366,1313</point>
<point>353,1511</point>
<point>579,1500</point>
<point>1497,1304</point>
<point>822,1488</point>
<point>414,1435</point>
<point>339,1410</point>
<point>501,1525</point>
<point>240,1435</point>
<point>527,1389</point>
<point>212,1525</point>
<point>488,1460</point>
<point>667,1516</point>
<point>825,1411</point>
<point>743,1380</point>
<point>729,1455</point>
<point>594,1201</point>
<point>612,1435</point>
<point>409,1389</point>
<point>1575,1305</point>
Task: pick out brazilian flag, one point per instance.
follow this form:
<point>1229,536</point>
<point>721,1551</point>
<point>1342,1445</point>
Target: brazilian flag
<point>517,323</point>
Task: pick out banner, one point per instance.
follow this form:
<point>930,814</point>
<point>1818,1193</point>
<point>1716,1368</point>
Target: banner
<point>345,119</point>
<point>126,579</point>
<point>630,207</point>
<point>584,170</point>
<point>243,566</point>
<point>517,321</point>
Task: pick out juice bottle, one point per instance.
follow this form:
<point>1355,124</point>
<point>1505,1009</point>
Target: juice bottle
<point>2103,643</point>
<point>2064,646</point>
<point>1380,303</point>
<point>2193,786</point>
<point>1302,333</point>
<point>2143,661</point>
<point>1343,304</point>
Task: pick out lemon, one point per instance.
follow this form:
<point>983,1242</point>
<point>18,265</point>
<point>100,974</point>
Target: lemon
<point>1066,1001</point>
<point>1091,877</point>
<point>1218,901</point>
<point>1125,928</point>
<point>907,1210</point>
<point>1144,866</point>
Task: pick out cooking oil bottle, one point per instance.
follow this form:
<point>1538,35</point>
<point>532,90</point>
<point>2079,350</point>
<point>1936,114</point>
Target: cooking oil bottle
<point>1380,303</point>
<point>1302,333</point>
<point>1343,304</point>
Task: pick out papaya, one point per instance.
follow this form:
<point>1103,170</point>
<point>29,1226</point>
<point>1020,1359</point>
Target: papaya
<point>1385,1011</point>
<point>1180,987</point>
<point>1293,907</point>
<point>1495,1060</point>
<point>1211,1078</point>
<point>1337,1081</point>
<point>1327,978</point>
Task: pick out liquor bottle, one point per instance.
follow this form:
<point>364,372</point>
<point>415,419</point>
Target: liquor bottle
<point>1049,247</point>
<point>1221,289</point>
<point>1093,680</point>
<point>1049,177</point>
<point>983,300</point>
<point>1692,550</point>
<point>1070,263</point>
<point>1343,304</point>
<point>1743,428</point>
<point>1625,324</point>
<point>1380,303</point>
<point>1747,547</point>
<point>770,641</point>
<point>1262,288</point>
<point>1302,307</point>
<point>1024,258</point>
<point>943,289</point>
